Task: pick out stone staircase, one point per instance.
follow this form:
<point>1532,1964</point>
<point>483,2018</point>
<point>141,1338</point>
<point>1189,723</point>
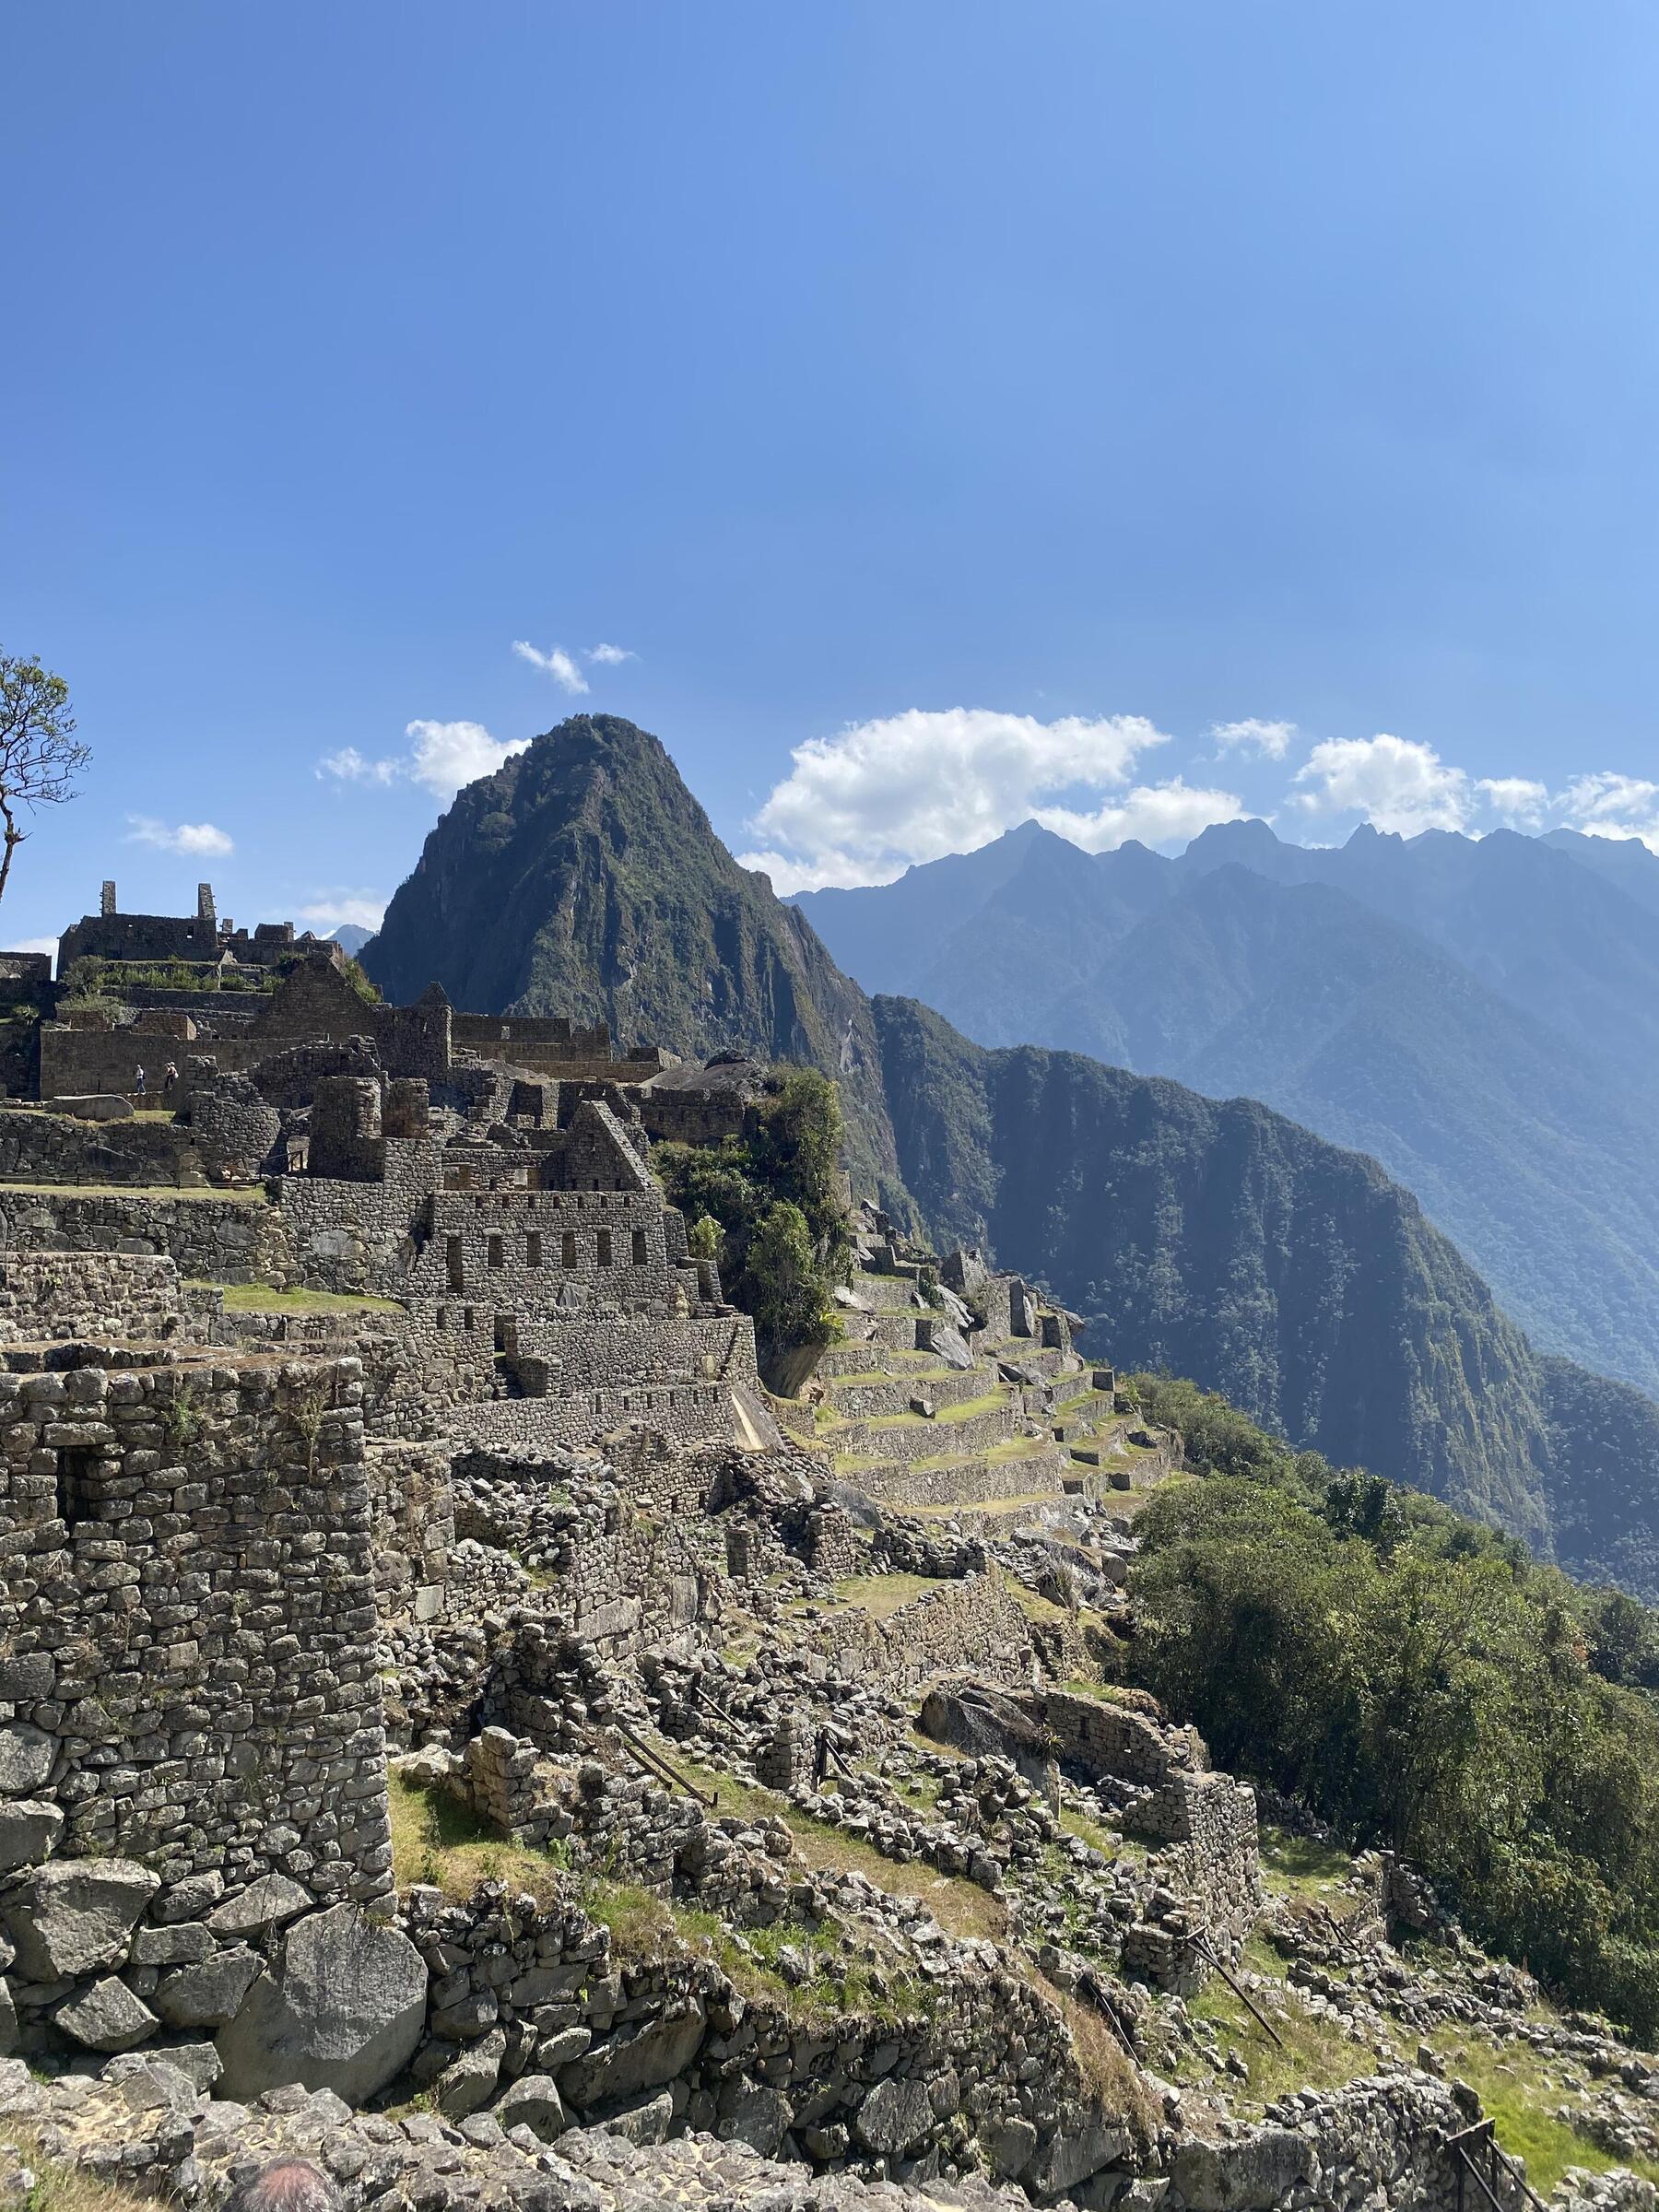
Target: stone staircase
<point>920,1408</point>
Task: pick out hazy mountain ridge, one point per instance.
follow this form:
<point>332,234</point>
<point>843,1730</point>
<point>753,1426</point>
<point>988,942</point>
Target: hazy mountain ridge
<point>1301,977</point>
<point>1220,1240</point>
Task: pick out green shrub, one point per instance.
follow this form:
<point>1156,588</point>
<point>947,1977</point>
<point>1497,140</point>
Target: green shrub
<point>1417,1680</point>
<point>768,1207</point>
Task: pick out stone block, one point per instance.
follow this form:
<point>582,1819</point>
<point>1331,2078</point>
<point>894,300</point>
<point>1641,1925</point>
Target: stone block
<point>75,1914</point>
<point>29,1830</point>
<point>26,1759</point>
<point>107,2016</point>
<point>343,2009</point>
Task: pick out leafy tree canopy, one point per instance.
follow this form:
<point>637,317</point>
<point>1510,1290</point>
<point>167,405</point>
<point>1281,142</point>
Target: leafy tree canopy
<point>1417,1680</point>
<point>768,1206</point>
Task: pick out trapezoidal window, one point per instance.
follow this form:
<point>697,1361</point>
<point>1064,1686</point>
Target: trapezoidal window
<point>451,1258</point>
<point>498,1252</point>
<point>602,1256</point>
<point>77,1492</point>
<point>639,1248</point>
<point>533,1248</point>
<point>569,1255</point>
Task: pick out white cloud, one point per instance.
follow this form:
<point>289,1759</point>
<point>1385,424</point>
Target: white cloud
<point>556,661</point>
<point>610,656</point>
<point>1157,814</point>
<point>339,910</point>
<point>1517,801</point>
<point>1609,805</point>
<point>449,754</point>
<point>350,766</point>
<point>1271,739</point>
<point>858,807</point>
<point>36,945</point>
<point>443,756</point>
<point>200,839</point>
<point>1394,783</point>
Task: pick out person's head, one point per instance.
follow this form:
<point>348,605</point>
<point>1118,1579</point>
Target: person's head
<point>285,2185</point>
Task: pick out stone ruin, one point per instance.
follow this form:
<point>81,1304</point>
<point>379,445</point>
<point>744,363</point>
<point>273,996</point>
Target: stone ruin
<point>498,1525</point>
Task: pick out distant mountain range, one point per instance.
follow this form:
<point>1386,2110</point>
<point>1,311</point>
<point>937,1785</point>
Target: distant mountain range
<point>351,938</point>
<point>1219,1239</point>
<point>1480,1016</point>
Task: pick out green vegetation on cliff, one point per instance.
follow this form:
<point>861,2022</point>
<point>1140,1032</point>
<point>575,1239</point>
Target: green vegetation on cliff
<point>1416,1679</point>
<point>768,1207</point>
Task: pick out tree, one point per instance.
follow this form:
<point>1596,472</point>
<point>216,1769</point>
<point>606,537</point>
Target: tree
<point>39,755</point>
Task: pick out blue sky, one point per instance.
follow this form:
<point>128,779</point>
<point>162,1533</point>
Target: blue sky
<point>986,404</point>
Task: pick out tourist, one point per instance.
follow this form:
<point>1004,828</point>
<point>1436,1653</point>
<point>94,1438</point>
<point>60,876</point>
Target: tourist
<point>139,1082</point>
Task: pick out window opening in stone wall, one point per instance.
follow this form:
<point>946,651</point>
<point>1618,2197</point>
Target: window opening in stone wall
<point>76,1492</point>
<point>603,1254</point>
<point>533,1248</point>
<point>496,1252</point>
<point>639,1248</point>
<point>569,1248</point>
<point>469,1317</point>
<point>451,1254</point>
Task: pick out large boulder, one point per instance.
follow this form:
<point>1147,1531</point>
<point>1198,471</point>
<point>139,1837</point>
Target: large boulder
<point>894,2117</point>
<point>623,2066</point>
<point>1072,2154</point>
<point>342,2009</point>
<point>533,2103</point>
<point>987,1723</point>
<point>269,1902</point>
<point>75,1914</point>
<point>1259,2170</point>
<point>470,2081</point>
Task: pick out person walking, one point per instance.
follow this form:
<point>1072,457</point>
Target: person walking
<point>138,1081</point>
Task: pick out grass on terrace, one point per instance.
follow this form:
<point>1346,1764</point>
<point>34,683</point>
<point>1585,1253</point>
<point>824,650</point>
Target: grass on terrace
<point>265,1297</point>
<point>1317,2054</point>
<point>966,1410</point>
<point>960,1907</point>
<point>881,1595</point>
<point>437,1839</point>
<point>1520,2095</point>
<point>1300,1866</point>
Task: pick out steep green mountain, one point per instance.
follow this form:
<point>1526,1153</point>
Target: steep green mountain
<point>584,878</point>
<point>1219,1240</point>
<point>1293,976</point>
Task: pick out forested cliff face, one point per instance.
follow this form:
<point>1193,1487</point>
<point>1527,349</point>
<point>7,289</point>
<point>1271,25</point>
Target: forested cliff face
<point>582,878</point>
<point>1219,1241</point>
<point>1216,1239</point>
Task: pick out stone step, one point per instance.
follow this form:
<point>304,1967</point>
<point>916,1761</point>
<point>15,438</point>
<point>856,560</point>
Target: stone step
<point>969,1479</point>
<point>1028,1352</point>
<point>886,1292</point>
<point>892,1393</point>
<point>910,1439</point>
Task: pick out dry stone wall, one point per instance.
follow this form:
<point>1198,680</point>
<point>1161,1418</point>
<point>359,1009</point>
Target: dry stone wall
<point>57,1295</point>
<point>226,1239</point>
